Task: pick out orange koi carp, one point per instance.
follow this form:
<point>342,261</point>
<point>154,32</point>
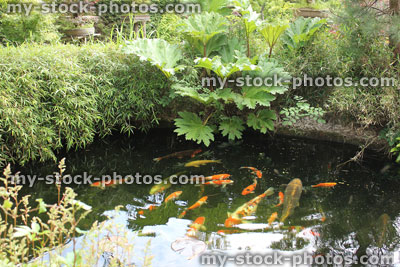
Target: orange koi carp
<point>273,217</point>
<point>230,222</point>
<point>187,153</point>
<point>107,183</point>
<point>173,196</point>
<point>250,189</point>
<point>217,177</point>
<point>199,203</point>
<point>257,172</point>
<point>281,199</point>
<point>324,185</point>
<point>196,226</point>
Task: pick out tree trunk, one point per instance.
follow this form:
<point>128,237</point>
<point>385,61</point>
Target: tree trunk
<point>395,11</point>
<point>395,6</point>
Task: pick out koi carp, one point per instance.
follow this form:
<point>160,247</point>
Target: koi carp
<point>324,185</point>
<point>281,199</point>
<point>196,226</point>
<point>187,153</point>
<point>173,196</point>
<point>199,163</point>
<point>199,203</point>
<point>250,189</point>
<point>257,172</point>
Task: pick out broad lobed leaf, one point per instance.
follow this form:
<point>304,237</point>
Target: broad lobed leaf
<point>192,127</point>
<point>263,121</point>
<point>232,127</point>
<point>158,52</point>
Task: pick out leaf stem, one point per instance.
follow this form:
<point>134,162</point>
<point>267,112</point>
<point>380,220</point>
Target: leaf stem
<point>208,118</point>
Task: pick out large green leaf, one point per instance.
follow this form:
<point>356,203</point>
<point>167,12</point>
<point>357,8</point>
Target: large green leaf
<point>301,31</point>
<point>192,92</point>
<point>225,70</point>
<point>158,52</point>
<point>204,26</point>
<point>248,15</point>
<point>193,128</point>
<point>250,18</point>
<point>270,72</point>
<point>231,49</point>
<point>232,127</point>
<point>272,33</point>
<point>253,96</point>
<point>215,44</point>
<point>263,121</point>
<point>224,94</point>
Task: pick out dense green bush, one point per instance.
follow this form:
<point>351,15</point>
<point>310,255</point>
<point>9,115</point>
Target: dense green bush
<point>363,46</point>
<point>274,10</point>
<point>355,45</point>
<point>167,28</point>
<point>347,49</point>
<point>52,96</point>
<point>17,28</point>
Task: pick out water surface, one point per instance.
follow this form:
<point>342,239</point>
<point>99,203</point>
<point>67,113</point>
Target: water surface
<point>366,193</point>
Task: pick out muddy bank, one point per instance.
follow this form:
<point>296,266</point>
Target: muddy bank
<point>308,128</point>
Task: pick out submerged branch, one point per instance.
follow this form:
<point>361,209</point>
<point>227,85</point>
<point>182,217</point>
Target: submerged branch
<point>359,156</point>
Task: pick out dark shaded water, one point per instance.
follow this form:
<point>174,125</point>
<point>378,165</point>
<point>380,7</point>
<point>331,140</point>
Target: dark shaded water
<point>354,209</point>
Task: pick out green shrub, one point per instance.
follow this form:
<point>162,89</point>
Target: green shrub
<point>167,28</point>
<point>364,36</point>
<point>363,46</point>
<point>317,59</point>
<point>64,95</point>
<point>274,10</point>
<point>17,28</point>
<point>367,106</point>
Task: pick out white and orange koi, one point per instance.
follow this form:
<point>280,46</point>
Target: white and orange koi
<point>199,203</point>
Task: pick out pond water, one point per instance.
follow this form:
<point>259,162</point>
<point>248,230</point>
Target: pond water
<point>359,216</point>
